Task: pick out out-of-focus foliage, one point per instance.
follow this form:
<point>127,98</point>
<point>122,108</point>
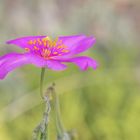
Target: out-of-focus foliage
<point>97,105</point>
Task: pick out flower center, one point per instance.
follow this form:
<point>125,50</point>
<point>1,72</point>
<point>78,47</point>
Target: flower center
<point>47,48</point>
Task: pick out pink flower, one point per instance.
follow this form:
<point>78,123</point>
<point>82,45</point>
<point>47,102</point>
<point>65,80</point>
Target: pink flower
<point>42,52</point>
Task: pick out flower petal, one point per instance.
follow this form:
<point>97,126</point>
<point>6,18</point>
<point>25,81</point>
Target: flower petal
<point>83,62</point>
<point>14,60</point>
<point>23,41</point>
<point>77,43</point>
<point>56,65</point>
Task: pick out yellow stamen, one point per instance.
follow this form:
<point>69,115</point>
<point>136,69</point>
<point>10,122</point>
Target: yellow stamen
<point>46,52</point>
<point>49,43</point>
<point>45,43</point>
<point>53,43</point>
<point>64,46</point>
<point>27,49</point>
<point>39,41</point>
<point>36,48</point>
<point>59,47</point>
<point>30,42</point>
<point>55,52</point>
<point>34,42</point>
<point>65,51</point>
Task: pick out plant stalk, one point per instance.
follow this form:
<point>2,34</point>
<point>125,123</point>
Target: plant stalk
<point>41,82</point>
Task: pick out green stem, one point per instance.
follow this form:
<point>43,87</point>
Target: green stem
<point>41,82</point>
<point>60,129</point>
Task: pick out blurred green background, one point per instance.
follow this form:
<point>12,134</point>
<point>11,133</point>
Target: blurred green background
<point>96,105</point>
